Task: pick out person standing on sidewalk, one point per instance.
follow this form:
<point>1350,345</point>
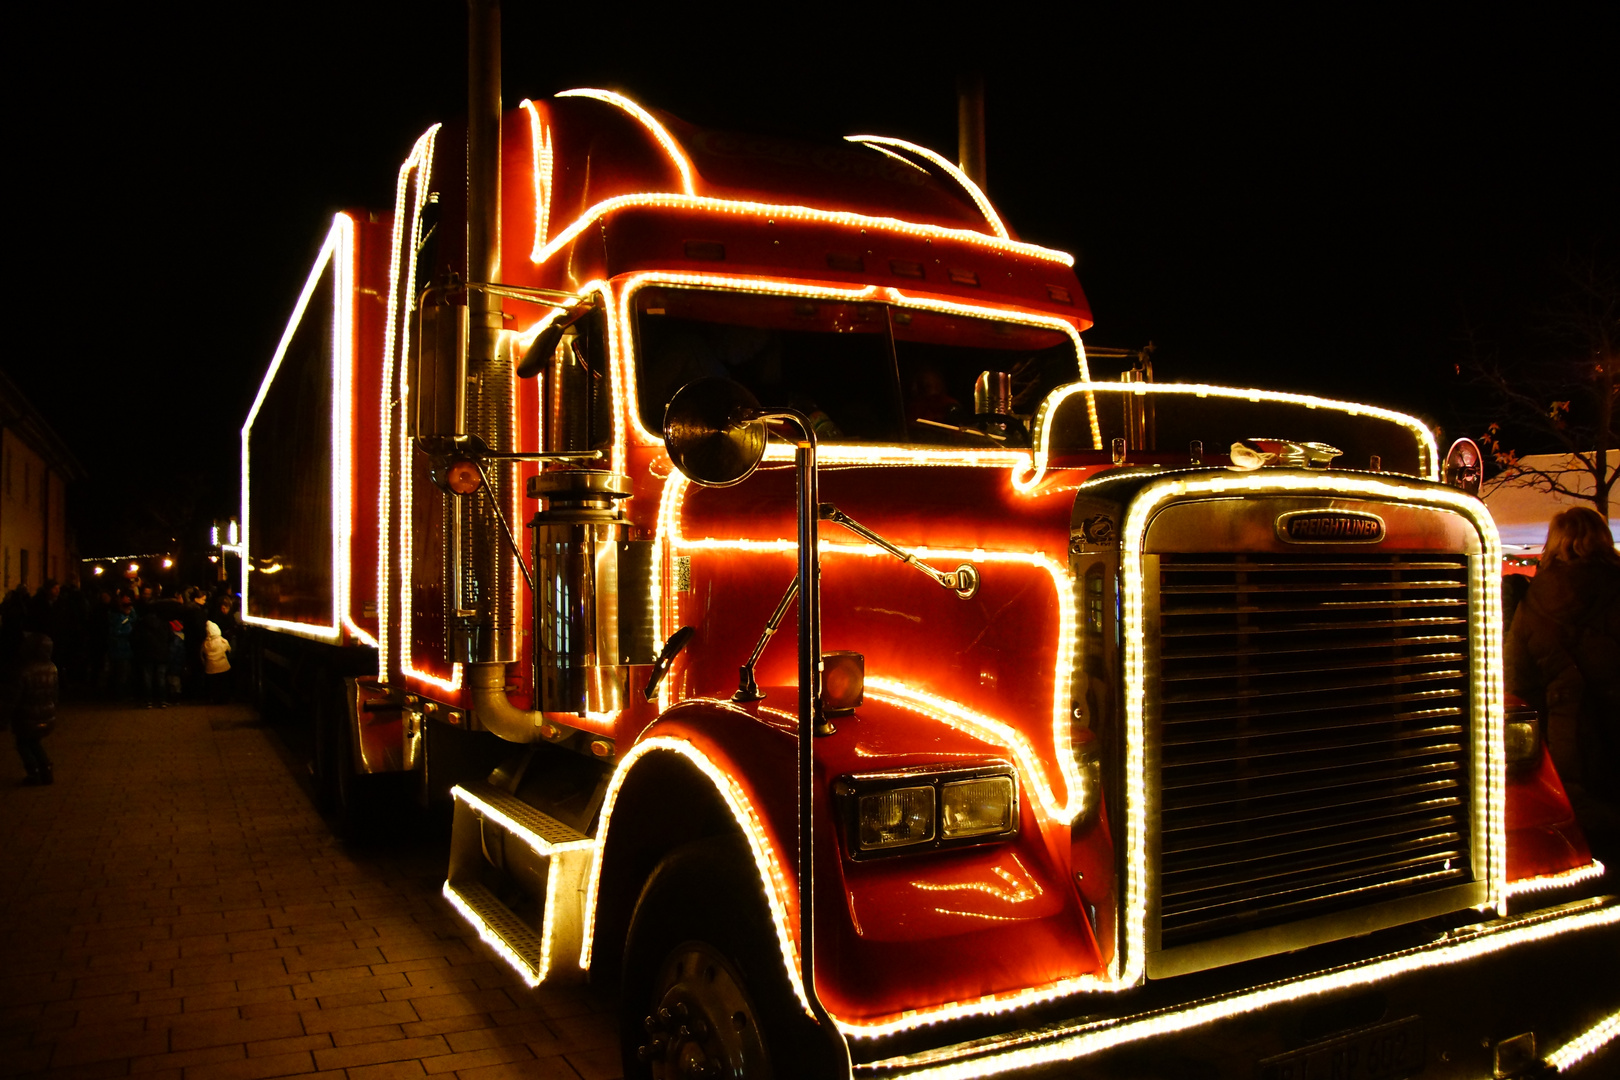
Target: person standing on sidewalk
<point>30,699</point>
<point>1563,656</point>
<point>216,661</point>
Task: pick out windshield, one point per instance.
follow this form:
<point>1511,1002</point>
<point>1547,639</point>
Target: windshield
<point>863,372</point>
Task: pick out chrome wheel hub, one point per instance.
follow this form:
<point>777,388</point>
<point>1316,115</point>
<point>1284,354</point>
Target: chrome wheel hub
<point>703,1024</point>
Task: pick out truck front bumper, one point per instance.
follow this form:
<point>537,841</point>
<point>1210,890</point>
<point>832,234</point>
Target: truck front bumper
<point>1459,1006</point>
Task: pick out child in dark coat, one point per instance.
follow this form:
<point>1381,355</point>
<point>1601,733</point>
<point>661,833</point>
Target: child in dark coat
<point>31,703</point>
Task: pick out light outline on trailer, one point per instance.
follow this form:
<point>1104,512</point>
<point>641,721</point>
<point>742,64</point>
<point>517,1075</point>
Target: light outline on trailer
<point>338,253</point>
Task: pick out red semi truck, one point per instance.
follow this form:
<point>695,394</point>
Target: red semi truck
<point>1131,728</point>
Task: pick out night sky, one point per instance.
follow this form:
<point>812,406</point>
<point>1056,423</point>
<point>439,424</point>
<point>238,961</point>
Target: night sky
<point>1331,199</point>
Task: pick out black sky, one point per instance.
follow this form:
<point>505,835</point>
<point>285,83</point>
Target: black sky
<point>1323,198</point>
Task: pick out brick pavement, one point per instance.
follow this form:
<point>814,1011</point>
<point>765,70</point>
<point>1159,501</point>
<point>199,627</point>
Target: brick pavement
<point>173,908</point>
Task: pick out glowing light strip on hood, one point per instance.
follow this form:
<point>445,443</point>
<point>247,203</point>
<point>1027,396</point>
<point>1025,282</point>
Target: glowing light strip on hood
<point>337,252</point>
<point>676,155</point>
<point>1555,881</point>
<point>975,192</point>
<point>1042,426</point>
<point>1015,1052</point>
<point>1485,658</point>
<point>396,331</point>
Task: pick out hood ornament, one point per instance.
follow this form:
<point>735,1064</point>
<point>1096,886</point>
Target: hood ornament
<point>1251,454</point>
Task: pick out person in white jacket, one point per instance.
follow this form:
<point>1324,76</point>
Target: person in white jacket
<point>216,658</point>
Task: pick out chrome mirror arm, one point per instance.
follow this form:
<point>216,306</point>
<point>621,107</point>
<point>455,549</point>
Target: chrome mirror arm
<point>747,688</point>
<point>963,581</point>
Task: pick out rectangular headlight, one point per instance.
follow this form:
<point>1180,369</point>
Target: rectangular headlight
<point>896,817</point>
<point>927,808</point>
<point>976,807</point>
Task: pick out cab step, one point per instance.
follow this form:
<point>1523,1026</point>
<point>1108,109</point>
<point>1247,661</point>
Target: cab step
<point>547,862</point>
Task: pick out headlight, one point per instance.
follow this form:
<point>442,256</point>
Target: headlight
<point>1521,733</point>
<point>976,807</point>
<point>924,809</point>
<point>893,818</point>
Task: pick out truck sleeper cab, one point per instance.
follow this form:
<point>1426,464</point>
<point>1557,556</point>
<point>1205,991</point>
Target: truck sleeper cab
<point>1218,730</point>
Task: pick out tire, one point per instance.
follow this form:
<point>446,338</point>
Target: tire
<point>703,991</point>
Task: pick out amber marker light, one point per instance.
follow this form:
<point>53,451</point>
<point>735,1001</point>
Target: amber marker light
<point>463,477</point>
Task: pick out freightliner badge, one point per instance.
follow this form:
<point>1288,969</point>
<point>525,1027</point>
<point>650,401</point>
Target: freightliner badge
<point>1330,527</point>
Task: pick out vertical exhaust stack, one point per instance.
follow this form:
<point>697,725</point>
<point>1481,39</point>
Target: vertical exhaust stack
<point>483,574</point>
<point>970,126</point>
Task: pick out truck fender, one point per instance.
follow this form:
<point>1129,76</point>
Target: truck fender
<point>678,785</point>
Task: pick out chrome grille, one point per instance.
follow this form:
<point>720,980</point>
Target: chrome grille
<point>1313,741</point>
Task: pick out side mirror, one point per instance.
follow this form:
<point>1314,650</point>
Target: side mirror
<point>714,432</point>
<point>538,354</point>
<point>1463,467</point>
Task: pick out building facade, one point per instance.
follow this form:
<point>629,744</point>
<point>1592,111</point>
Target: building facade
<point>36,469</point>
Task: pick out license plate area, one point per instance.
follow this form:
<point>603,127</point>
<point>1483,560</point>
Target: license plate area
<point>1389,1051</point>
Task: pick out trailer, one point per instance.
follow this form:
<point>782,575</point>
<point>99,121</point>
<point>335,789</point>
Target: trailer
<point>1126,728</point>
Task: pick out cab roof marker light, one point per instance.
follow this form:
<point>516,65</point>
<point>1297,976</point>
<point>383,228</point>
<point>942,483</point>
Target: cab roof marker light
<point>779,895</point>
<point>648,121</point>
<point>523,968</point>
<point>337,251</point>
<point>1098,1036</point>
<point>975,192</point>
<point>1489,760</point>
<point>1586,1043</point>
<point>1555,881</point>
<point>1043,430</point>
<point>542,163</point>
<point>421,153</point>
<point>784,212</point>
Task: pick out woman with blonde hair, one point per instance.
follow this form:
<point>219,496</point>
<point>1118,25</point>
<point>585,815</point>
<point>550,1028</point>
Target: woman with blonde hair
<point>1563,656</point>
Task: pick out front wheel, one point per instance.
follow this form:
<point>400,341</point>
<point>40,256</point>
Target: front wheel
<point>704,990</point>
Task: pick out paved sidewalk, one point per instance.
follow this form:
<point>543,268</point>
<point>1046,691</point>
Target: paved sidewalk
<point>173,908</point>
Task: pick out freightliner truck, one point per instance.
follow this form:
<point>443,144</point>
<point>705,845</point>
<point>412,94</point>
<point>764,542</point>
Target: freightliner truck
<point>1117,728</point>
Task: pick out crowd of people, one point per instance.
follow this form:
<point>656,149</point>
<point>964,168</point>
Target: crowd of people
<point>134,645</point>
